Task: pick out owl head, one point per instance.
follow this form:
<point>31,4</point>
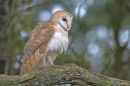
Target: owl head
<point>62,18</point>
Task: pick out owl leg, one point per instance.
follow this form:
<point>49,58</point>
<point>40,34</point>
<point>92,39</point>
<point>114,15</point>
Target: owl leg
<point>43,59</point>
<point>50,59</point>
<point>43,63</point>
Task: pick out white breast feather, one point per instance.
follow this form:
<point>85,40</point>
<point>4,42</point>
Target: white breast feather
<point>59,43</point>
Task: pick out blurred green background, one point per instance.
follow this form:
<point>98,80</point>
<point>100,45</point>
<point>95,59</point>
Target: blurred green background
<point>99,37</point>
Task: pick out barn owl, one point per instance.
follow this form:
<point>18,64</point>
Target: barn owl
<point>48,40</point>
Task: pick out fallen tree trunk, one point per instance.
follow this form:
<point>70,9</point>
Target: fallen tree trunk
<point>66,74</point>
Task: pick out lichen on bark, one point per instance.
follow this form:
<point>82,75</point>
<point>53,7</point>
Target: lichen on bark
<point>66,74</point>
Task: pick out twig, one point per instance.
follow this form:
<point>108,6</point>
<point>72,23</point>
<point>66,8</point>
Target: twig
<point>80,8</point>
<point>107,65</point>
<point>13,6</point>
<point>6,25</point>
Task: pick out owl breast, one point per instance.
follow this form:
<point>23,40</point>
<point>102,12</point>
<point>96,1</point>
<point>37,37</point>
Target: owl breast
<point>59,43</point>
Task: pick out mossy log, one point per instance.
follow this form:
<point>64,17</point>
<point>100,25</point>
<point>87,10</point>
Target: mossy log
<point>66,74</point>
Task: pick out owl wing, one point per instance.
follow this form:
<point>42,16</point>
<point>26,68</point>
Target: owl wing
<point>36,45</point>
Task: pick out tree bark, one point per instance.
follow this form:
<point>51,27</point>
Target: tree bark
<point>66,74</point>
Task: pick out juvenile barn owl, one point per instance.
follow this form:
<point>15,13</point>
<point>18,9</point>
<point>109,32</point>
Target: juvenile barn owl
<point>48,40</point>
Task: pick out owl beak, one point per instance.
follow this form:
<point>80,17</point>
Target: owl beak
<point>69,23</point>
<point>68,26</point>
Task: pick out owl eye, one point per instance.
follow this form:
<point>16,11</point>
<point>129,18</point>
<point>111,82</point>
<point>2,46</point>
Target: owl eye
<point>64,19</point>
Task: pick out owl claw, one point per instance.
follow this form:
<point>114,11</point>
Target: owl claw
<point>54,66</point>
<point>48,66</point>
<point>42,67</point>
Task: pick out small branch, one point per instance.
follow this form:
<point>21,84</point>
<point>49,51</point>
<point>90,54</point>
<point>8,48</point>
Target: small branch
<point>80,8</point>
<point>107,65</point>
<point>6,25</point>
<point>66,74</point>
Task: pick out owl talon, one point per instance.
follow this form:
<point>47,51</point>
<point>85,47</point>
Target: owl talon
<point>48,66</point>
<point>54,66</point>
<point>42,67</point>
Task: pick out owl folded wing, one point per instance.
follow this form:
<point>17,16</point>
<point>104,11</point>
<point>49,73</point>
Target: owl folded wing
<point>36,45</point>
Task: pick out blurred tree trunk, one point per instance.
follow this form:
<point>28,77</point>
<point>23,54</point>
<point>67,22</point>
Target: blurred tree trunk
<point>117,26</point>
<point>66,74</point>
<point>7,8</point>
